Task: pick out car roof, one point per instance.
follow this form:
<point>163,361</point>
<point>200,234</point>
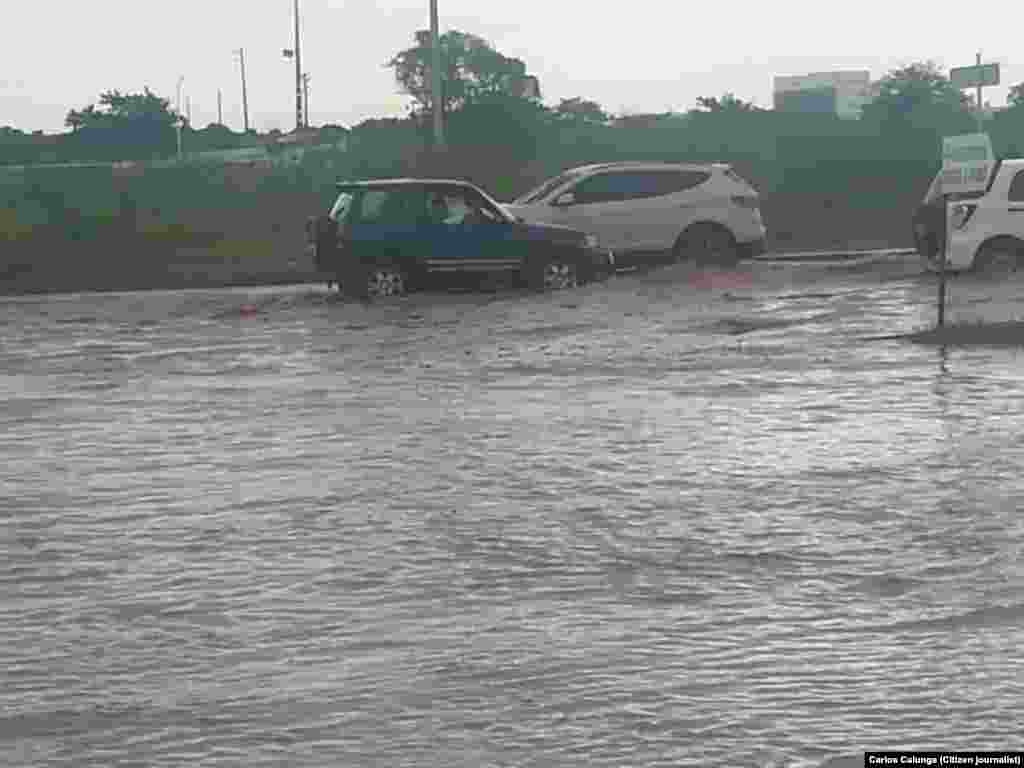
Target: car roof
<point>649,165</point>
<point>367,183</point>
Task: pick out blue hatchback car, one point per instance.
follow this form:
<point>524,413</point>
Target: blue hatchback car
<point>391,236</point>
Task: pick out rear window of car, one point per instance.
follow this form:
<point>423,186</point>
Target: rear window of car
<point>670,182</point>
<point>394,205</point>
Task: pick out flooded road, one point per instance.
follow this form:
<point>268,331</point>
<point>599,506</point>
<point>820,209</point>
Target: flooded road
<point>664,521</point>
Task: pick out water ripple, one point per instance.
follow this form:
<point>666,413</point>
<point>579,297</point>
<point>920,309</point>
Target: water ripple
<point>643,526</point>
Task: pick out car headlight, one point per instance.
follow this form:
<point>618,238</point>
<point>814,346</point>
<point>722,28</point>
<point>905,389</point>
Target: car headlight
<point>591,241</point>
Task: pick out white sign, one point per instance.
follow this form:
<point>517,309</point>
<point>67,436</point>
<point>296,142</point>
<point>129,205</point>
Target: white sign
<point>967,163</point>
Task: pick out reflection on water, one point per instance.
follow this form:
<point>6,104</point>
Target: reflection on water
<point>614,527</point>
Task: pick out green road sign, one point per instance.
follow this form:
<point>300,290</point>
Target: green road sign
<point>973,77</point>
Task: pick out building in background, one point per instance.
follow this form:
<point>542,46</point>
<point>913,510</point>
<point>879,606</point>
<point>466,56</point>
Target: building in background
<point>838,93</point>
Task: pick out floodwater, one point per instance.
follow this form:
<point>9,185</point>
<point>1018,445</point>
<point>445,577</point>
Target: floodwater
<point>650,522</point>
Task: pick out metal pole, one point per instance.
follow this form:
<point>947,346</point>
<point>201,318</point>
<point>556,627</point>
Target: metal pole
<point>177,109</point>
<point>980,126</point>
<point>305,96</point>
<point>942,261</point>
<point>245,100</point>
<point>436,100</point>
<point>298,72</point>
<point>220,108</point>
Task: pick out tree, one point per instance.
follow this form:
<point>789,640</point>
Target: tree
<point>728,103</point>
<point>1015,98</point>
<point>472,71</point>
<point>581,110</point>
<point>131,123</point>
<point>915,94</point>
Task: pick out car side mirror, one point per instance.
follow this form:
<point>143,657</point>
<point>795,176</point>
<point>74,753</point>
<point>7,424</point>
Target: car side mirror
<point>566,198</point>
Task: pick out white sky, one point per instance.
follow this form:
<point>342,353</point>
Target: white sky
<point>644,56</point>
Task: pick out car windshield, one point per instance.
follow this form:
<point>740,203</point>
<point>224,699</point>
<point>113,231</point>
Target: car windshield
<point>538,193</point>
<point>340,207</point>
<point>934,193</point>
<point>505,215</point>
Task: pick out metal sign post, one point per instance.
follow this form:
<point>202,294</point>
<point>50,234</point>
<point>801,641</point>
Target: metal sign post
<point>979,76</point>
<point>942,262</point>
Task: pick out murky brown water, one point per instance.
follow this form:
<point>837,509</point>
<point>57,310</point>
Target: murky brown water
<point>635,524</point>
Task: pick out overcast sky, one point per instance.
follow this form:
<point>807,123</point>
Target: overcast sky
<point>641,56</point>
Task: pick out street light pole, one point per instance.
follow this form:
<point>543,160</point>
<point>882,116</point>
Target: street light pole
<point>177,108</point>
<point>245,100</point>
<point>981,128</point>
<point>298,72</point>
<point>435,78</point>
<point>305,97</point>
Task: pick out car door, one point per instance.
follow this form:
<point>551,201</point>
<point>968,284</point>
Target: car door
<point>468,234</point>
<point>386,225</point>
<point>674,199</point>
<point>1015,206</point>
<point>599,205</point>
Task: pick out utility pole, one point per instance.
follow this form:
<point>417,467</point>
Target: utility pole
<point>177,108</point>
<point>220,108</point>
<point>188,108</point>
<point>435,78</point>
<point>298,72</point>
<point>245,100</point>
<point>305,95</point>
<point>981,128</point>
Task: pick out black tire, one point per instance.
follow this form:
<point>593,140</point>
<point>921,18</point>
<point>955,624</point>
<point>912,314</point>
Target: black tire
<point>707,245</point>
<point>555,272</point>
<point>374,281</point>
<point>999,258</point>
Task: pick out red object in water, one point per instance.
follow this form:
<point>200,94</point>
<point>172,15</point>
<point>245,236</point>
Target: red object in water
<point>248,309</point>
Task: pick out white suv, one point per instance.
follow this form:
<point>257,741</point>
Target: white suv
<point>987,234</point>
<point>701,212</point>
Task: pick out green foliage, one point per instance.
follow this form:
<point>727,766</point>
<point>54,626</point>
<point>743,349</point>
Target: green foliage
<point>472,71</point>
<point>728,103</point>
<point>1015,98</point>
<point>862,168</point>
<point>124,126</point>
<point>918,98</point>
<point>581,110</point>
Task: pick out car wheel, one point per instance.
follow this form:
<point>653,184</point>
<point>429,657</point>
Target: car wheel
<point>998,259</point>
<point>386,280</point>
<point>364,282</point>
<point>556,273</point>
<point>706,245</point>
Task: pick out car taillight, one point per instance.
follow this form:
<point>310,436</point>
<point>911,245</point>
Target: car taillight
<point>961,214</point>
<point>744,201</point>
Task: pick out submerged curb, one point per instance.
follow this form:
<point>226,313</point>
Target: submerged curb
<point>847,255</point>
